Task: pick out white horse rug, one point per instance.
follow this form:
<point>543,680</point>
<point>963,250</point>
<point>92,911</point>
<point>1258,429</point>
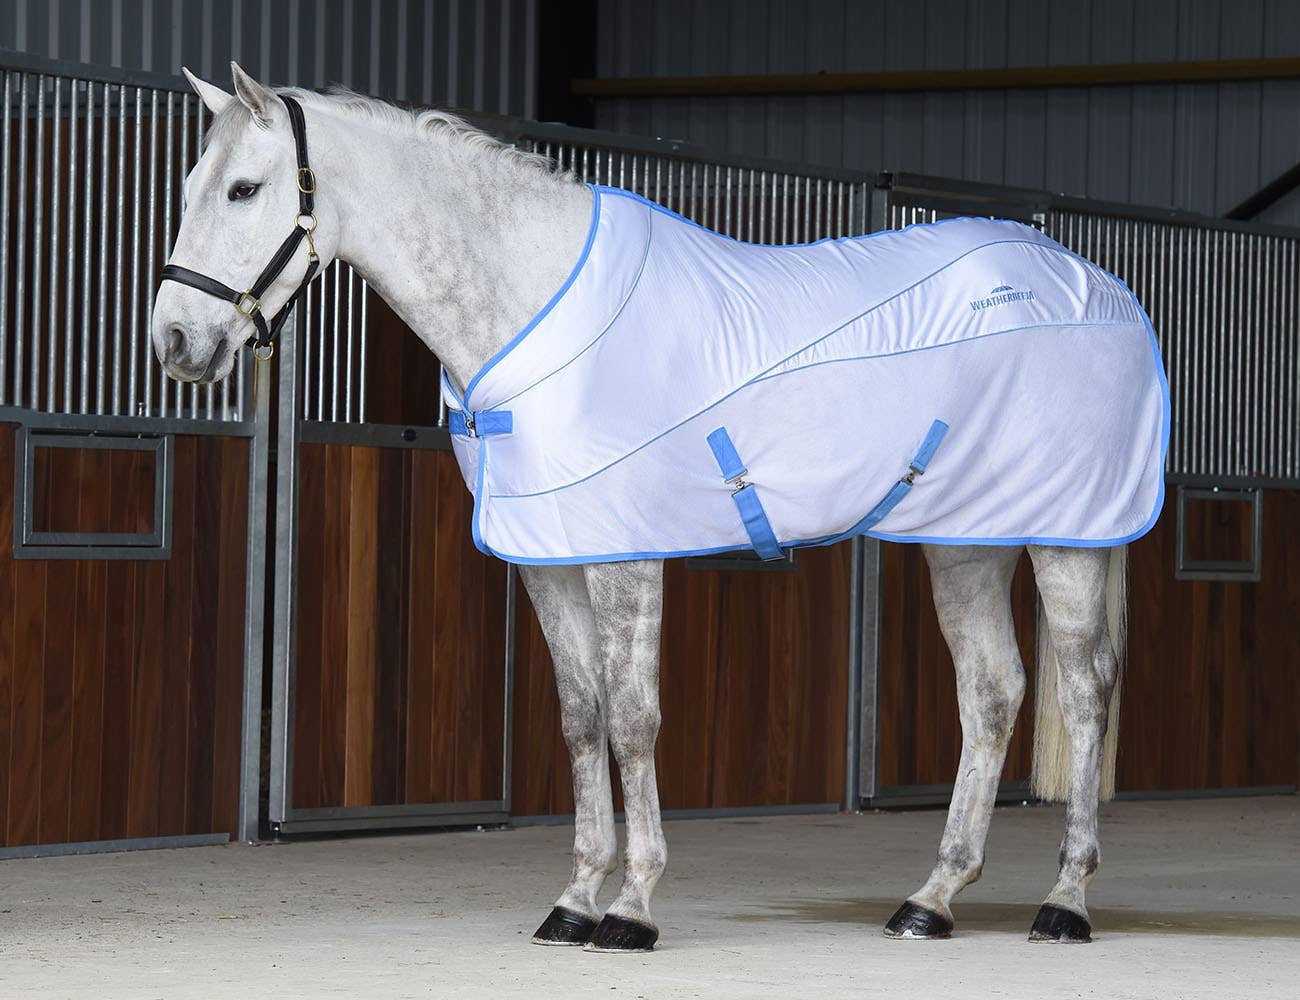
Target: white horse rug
<point>683,394</point>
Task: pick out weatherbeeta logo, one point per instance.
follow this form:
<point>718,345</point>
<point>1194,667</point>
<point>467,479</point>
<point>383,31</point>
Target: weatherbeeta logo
<point>1000,296</point>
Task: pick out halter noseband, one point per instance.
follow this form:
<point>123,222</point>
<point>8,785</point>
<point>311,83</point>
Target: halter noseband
<point>249,303</point>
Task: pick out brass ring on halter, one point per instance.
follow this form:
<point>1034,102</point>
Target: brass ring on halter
<point>310,186</point>
<point>311,216</point>
<point>264,352</point>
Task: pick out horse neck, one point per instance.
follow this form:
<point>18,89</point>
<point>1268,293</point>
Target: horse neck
<point>465,245</point>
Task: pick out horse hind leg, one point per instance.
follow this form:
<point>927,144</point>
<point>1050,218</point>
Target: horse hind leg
<point>1076,585</point>
<point>559,596</point>
<point>972,596</point>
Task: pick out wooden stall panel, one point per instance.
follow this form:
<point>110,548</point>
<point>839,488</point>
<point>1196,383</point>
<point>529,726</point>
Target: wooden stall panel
<point>1211,699</point>
<point>752,691</point>
<point>121,681</point>
<point>920,732</point>
<point>126,506</point>
<point>399,675</point>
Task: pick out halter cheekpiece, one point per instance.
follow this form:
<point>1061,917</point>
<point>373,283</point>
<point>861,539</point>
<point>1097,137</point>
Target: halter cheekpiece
<point>249,303</point>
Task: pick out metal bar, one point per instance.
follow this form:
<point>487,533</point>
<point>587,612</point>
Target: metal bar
<point>118,252</point>
<point>336,274</point>
<point>169,200</point>
<point>349,353</point>
<point>56,192</point>
<point>101,326</point>
<point>508,706</point>
<point>38,252</point>
<point>255,604</point>
<point>70,251</point>
<point>466,816</point>
<point>132,382</point>
<point>6,147</point>
<point>284,608</point>
<point>365,326</point>
<point>20,270</point>
<point>113,846</point>
<point>151,258</point>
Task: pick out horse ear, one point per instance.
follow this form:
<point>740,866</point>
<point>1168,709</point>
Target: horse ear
<point>253,95</point>
<point>210,94</point>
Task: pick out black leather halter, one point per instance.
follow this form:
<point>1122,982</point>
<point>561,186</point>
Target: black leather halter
<point>249,303</point>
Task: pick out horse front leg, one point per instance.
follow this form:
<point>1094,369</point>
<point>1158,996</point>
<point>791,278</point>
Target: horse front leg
<point>1074,583</point>
<point>627,602</point>
<point>972,595</point>
<point>559,596</point>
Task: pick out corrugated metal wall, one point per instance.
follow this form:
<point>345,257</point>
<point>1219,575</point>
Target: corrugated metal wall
<point>1198,147</point>
<point>473,54</point>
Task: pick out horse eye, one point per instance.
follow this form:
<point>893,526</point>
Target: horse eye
<point>242,191</point>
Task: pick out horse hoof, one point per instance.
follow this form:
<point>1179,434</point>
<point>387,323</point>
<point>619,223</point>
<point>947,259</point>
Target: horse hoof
<point>1055,923</point>
<point>565,927</point>
<point>618,934</point>
<point>912,921</point>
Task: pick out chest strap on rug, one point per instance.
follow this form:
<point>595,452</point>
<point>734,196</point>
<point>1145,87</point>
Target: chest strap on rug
<point>929,445</point>
<point>752,514</point>
<point>480,423</point>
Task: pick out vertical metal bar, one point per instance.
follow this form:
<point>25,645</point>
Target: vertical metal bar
<point>70,252</point>
<point>284,611</point>
<point>347,398</point>
<point>151,257</point>
<point>6,147</point>
<point>56,185</point>
<point>169,199</point>
<point>132,385</point>
<point>336,272</point>
<point>38,252</point>
<point>250,760</point>
<point>320,351</point>
<point>364,332</point>
<point>309,315</point>
<point>508,701</point>
<point>119,275</point>
<point>101,314</point>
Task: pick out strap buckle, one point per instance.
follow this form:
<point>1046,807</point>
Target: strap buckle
<point>306,179</point>
<point>737,482</point>
<point>248,304</point>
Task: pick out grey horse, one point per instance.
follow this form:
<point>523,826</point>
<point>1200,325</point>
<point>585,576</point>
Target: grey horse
<point>467,239</point>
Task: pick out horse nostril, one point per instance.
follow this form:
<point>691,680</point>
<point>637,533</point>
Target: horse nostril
<point>173,339</point>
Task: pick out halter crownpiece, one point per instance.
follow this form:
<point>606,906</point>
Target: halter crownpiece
<point>249,303</point>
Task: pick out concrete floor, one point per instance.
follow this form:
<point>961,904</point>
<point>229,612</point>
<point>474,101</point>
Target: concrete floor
<point>1194,899</point>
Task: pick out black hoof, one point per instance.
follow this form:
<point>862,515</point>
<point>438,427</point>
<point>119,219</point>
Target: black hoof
<point>912,921</point>
<point>621,934</point>
<point>565,927</point>
<point>1055,923</point>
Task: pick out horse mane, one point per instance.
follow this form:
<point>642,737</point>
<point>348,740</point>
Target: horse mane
<point>395,119</point>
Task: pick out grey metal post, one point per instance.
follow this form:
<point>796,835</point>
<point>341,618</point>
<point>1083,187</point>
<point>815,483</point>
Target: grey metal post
<point>868,608</point>
<point>255,603</point>
<point>508,709</point>
<point>284,612</point>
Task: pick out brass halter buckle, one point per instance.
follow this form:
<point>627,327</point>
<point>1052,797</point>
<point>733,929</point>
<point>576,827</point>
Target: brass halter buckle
<point>306,180</point>
<point>248,304</point>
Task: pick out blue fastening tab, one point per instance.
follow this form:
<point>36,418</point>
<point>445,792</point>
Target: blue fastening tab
<point>896,493</point>
<point>725,452</point>
<point>480,423</point>
<point>929,446</point>
<point>752,514</point>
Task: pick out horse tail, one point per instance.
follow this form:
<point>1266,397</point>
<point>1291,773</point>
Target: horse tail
<point>1050,775</point>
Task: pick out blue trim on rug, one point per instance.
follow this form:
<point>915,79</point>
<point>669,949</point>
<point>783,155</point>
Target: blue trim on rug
<point>563,289</point>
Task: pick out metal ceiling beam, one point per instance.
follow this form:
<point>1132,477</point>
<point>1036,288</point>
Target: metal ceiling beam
<point>999,78</point>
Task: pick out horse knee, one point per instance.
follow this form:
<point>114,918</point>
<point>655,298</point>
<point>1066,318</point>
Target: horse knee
<point>583,728</point>
<point>991,704</point>
<point>633,730</point>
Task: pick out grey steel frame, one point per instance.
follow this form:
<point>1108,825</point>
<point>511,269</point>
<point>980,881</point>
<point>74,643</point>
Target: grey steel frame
<point>1243,571</point>
<point>32,544</point>
<point>102,361</point>
<point>285,818</point>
